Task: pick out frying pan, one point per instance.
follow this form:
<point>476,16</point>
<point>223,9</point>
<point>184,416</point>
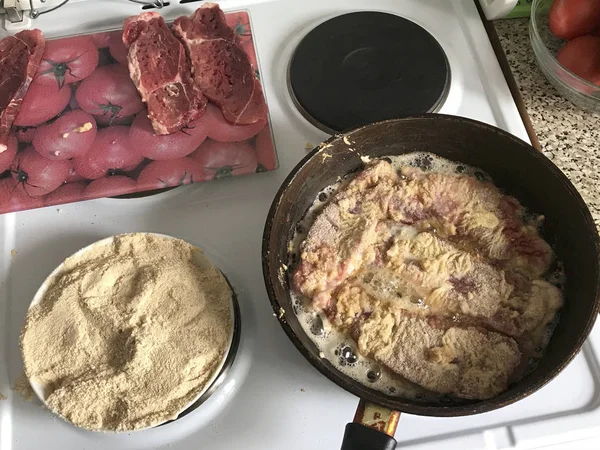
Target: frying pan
<point>515,167</point>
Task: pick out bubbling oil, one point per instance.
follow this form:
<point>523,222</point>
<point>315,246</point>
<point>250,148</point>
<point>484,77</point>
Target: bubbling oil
<point>341,351</point>
<point>338,348</point>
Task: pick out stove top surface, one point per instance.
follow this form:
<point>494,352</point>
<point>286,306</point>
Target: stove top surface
<point>272,398</point>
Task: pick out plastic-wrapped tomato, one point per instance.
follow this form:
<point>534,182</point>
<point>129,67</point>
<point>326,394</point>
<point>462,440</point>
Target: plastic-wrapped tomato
<point>168,146</point>
<point>6,187</point>
<point>73,176</point>
<point>102,40</point>
<point>42,103</point>
<point>67,193</point>
<point>265,151</point>
<point>240,22</point>
<point>70,136</point>
<point>221,130</point>
<point>13,197</point>
<point>110,153</point>
<point>224,159</point>
<point>67,61</point>
<point>25,134</point>
<point>117,48</point>
<point>162,174</point>
<point>109,94</point>
<point>109,187</point>
<point>8,155</point>
<point>36,174</point>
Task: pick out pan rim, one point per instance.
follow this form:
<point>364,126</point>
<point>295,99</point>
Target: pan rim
<point>399,403</point>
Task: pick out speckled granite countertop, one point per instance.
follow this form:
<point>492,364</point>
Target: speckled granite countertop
<point>568,135</point>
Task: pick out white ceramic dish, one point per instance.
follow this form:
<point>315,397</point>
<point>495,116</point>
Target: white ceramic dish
<point>201,261</point>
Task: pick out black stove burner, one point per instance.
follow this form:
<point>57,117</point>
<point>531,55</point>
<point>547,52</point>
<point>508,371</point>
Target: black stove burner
<point>364,67</point>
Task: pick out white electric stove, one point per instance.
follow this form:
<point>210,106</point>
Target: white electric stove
<point>272,398</point>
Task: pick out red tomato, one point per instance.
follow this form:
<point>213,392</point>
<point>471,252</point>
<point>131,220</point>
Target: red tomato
<point>73,103</point>
<point>42,103</point>
<point>249,49</point>
<point>101,39</point>
<point>571,18</point>
<point>8,155</point>
<point>25,134</point>
<point>582,57</point>
<point>67,193</point>
<point>168,146</point>
<point>107,121</point>
<point>221,130</point>
<point>6,187</point>
<point>73,176</point>
<point>104,58</point>
<point>162,174</point>
<point>240,22</point>
<point>109,94</point>
<point>224,159</point>
<point>109,187</point>
<point>67,61</point>
<point>117,48</point>
<point>265,151</point>
<point>111,152</point>
<point>14,198</point>
<point>38,175</point>
<point>70,136</point>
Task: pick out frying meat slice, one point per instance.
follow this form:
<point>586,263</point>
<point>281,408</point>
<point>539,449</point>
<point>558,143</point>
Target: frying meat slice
<point>464,362</point>
<point>342,236</point>
<point>435,275</point>
<point>447,279</point>
<point>474,212</point>
<point>221,69</point>
<point>159,69</point>
<point>467,362</point>
<point>20,57</point>
<point>528,312</point>
<point>425,275</point>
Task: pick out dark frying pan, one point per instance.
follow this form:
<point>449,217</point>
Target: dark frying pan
<point>519,170</point>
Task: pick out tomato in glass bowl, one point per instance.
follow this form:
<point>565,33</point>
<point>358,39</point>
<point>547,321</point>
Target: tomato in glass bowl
<point>551,50</point>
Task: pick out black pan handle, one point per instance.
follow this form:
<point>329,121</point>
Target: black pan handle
<point>373,428</point>
<point>362,437</point>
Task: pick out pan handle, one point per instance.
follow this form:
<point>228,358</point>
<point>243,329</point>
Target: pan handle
<point>373,428</point>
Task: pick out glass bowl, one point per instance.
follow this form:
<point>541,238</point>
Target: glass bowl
<point>545,47</point>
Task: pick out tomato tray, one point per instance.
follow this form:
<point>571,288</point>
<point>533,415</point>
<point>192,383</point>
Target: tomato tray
<point>84,80</point>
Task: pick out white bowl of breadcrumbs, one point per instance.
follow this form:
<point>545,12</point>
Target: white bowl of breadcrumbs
<point>128,332</point>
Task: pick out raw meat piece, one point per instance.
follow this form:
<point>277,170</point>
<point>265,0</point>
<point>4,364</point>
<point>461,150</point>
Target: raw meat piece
<point>220,67</point>
<point>158,67</point>
<point>20,57</point>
